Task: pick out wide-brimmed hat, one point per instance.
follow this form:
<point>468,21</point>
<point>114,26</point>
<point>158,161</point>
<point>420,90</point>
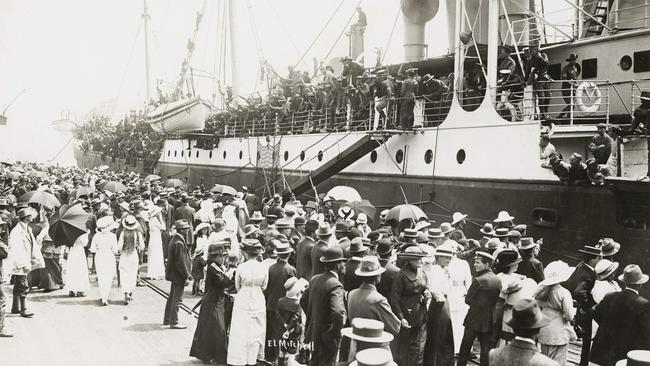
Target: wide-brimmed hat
<point>423,224</point>
<point>294,285</point>
<point>369,267</point>
<point>256,217</point>
<point>356,246</point>
<point>373,357</point>
<point>494,244</point>
<point>434,233</point>
<point>219,247</point>
<point>504,216</point>
<point>527,315</point>
<point>487,229</point>
<point>609,247</point>
<point>444,251</point>
<point>283,248</point>
<point>588,249</point>
<point>457,217</point>
<point>181,224</point>
<point>636,358</point>
<point>572,57</point>
<point>412,252</point>
<point>632,275</point>
<point>501,232</point>
<point>324,229</point>
<point>367,330</point>
<point>384,246</point>
<point>484,254</point>
<point>106,222</point>
<point>556,272</point>
<point>508,257</point>
<point>410,233</point>
<point>446,227</point>
<point>252,246</point>
<point>283,224</point>
<point>25,212</point>
<point>604,268</point>
<point>129,222</point>
<point>200,227</point>
<point>250,229</point>
<point>527,243</point>
<point>332,254</point>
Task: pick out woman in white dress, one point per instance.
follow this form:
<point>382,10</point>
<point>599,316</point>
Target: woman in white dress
<point>104,245</point>
<point>131,240</point>
<point>156,265</point>
<point>246,340</point>
<point>76,273</point>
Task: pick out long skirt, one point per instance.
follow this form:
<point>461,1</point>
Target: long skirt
<point>76,273</point>
<point>458,310</point>
<point>439,348</point>
<point>156,264</point>
<point>410,345</point>
<point>210,340</point>
<point>105,265</point>
<point>51,275</point>
<point>129,263</point>
<point>557,353</point>
<point>246,339</point>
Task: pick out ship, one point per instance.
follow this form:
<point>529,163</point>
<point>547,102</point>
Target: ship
<point>475,154</point>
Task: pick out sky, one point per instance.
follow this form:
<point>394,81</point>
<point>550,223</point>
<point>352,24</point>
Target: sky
<point>80,56</point>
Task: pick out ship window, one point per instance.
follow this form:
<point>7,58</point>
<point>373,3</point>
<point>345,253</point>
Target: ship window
<point>169,153</point>
<point>544,217</point>
<point>625,63</point>
<point>589,68</point>
<point>210,154</point>
<point>460,156</point>
<point>373,156</point>
<point>555,71</point>
<point>224,154</point>
<point>428,156</point>
<point>182,153</point>
<point>241,154</point>
<point>175,153</point>
<point>642,61</point>
<point>197,153</point>
<point>320,156</point>
<point>399,156</point>
<point>286,155</point>
<point>302,155</point>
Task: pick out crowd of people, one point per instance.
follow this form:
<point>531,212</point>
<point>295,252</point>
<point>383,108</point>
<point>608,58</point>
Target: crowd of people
<point>313,283</point>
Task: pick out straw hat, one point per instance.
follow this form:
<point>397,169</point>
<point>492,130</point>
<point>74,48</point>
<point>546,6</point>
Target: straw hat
<point>367,330</point>
<point>501,232</point>
<point>373,357</point>
<point>324,229</point>
<point>556,272</point>
<point>130,222</point>
<point>283,248</point>
<point>457,217</point>
<point>504,216</point>
<point>485,255</point>
<point>446,227</point>
<point>444,251</point>
<point>434,233</point>
<point>527,243</point>
<point>487,229</point>
<point>609,247</point>
<point>369,267</point>
<point>200,227</point>
<point>106,222</point>
<point>252,246</point>
<point>410,233</point>
<point>412,252</point>
<point>636,358</point>
<point>294,286</point>
<point>604,268</point>
<point>422,225</point>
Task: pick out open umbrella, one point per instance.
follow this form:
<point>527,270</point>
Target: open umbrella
<point>151,177</point>
<point>174,182</point>
<point>406,211</point>
<point>223,189</point>
<point>114,186</point>
<point>41,197</point>
<point>68,224</point>
<point>344,193</point>
<point>103,168</point>
<point>83,191</point>
<point>38,174</point>
<point>218,188</point>
<point>362,206</point>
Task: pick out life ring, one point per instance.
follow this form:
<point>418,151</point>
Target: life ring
<point>591,92</point>
<point>507,111</point>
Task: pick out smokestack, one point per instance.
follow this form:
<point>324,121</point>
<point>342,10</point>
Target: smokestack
<point>416,15</point>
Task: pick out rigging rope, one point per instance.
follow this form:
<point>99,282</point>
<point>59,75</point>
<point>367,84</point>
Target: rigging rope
<point>126,69</point>
<point>390,36</point>
<point>343,30</point>
<point>320,33</point>
<point>256,35</point>
<point>286,30</point>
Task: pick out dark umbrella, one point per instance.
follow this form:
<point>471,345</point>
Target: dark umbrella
<point>41,197</point>
<point>362,206</point>
<point>174,182</point>
<point>68,224</point>
<point>114,187</point>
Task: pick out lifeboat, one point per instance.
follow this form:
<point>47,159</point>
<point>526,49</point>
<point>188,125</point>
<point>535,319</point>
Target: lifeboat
<point>179,117</point>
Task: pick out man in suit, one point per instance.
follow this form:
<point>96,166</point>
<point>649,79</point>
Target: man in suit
<point>481,297</point>
<point>526,321</point>
<point>185,212</point>
<point>365,302</point>
<point>385,251</point>
<point>580,284</point>
<point>357,250</point>
<point>530,266</point>
<point>324,233</point>
<point>177,272</point>
<point>324,306</point>
<point>623,320</point>
<point>303,250</point>
<point>279,273</point>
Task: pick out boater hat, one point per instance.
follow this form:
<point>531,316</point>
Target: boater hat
<point>501,232</point>
<point>434,233</point>
<point>369,267</point>
<point>636,358</point>
<point>588,249</point>
<point>367,330</point>
<point>604,268</point>
<point>410,233</point>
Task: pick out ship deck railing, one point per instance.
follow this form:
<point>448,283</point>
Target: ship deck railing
<point>638,86</point>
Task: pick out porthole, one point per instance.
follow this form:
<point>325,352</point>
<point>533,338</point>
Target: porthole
<point>259,155</point>
<point>241,154</point>
<point>175,153</point>
<point>320,156</point>
<point>544,217</point>
<point>286,155</point>
<point>399,156</point>
<point>625,63</point>
<point>224,154</point>
<point>197,153</point>
<point>428,156</point>
<point>460,156</point>
<point>302,155</point>
<point>373,156</point>
<point>169,152</point>
<point>182,153</point>
<point>210,155</point>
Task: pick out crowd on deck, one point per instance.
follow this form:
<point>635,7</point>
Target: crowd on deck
<point>318,282</point>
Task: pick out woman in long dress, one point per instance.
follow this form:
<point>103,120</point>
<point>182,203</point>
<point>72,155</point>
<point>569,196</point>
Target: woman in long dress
<point>156,264</point>
<point>131,240</point>
<point>246,340</point>
<point>210,337</point>
<point>104,245</point>
<point>76,275</point>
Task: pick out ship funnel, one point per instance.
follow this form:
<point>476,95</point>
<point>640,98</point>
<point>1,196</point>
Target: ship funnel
<point>416,15</point>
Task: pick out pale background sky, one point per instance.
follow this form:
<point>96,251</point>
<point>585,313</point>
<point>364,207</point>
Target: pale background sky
<point>81,55</point>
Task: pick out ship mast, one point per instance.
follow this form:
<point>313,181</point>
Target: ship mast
<point>147,66</point>
<point>234,57</point>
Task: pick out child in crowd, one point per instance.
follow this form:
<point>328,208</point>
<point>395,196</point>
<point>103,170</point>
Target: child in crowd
<point>291,315</point>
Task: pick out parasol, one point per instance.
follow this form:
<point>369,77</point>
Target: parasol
<point>223,189</point>
<point>344,193</point>
<point>174,182</point>
<point>406,211</point>
<point>41,197</point>
<point>362,206</point>
<point>114,186</point>
<point>68,224</point>
<point>151,177</point>
<point>217,188</point>
<point>83,191</point>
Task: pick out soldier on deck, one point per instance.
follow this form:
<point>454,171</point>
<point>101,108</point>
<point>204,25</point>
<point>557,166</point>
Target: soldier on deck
<point>569,74</point>
<point>407,103</point>
<point>384,94</point>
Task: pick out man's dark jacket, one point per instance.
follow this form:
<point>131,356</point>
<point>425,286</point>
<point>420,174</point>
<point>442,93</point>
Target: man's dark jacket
<point>178,260</point>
